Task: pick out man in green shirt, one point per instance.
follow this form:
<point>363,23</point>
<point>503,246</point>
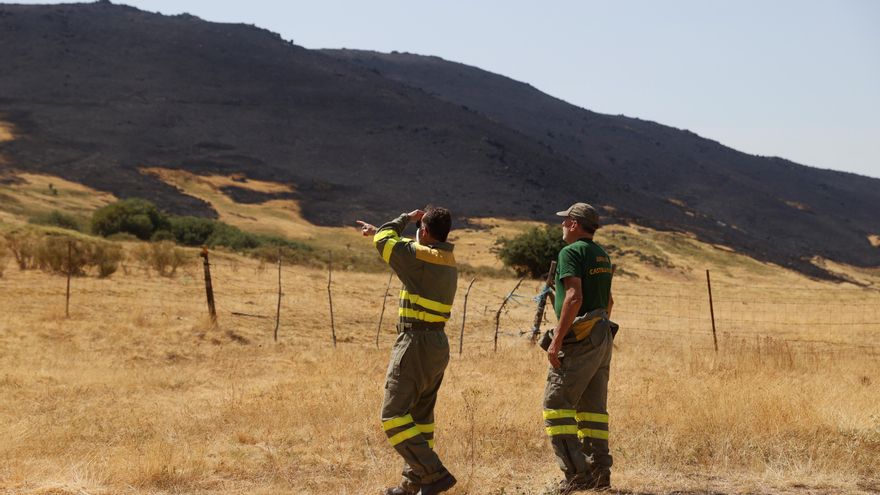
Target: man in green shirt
<point>575,397</point>
<point>427,268</point>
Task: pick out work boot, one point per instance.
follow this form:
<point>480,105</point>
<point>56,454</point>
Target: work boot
<point>406,487</point>
<point>399,490</point>
<point>439,486</point>
<point>568,486</point>
<point>600,478</point>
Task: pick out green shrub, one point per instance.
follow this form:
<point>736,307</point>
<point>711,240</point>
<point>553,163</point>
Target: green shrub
<point>192,231</point>
<point>56,218</point>
<point>162,235</point>
<point>531,252</point>
<point>138,217</point>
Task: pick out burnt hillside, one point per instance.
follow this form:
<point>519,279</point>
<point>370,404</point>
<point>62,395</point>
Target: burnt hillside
<point>97,90</point>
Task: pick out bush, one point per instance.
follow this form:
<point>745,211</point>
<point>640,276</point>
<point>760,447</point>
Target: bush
<point>122,237</point>
<point>56,218</point>
<point>164,257</point>
<point>52,255</point>
<point>192,231</point>
<point>23,245</point>
<point>531,252</point>
<point>138,217</point>
<point>162,235</point>
<point>106,257</point>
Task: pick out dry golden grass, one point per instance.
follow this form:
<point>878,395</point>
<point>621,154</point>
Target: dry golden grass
<point>137,393</point>
<point>32,194</point>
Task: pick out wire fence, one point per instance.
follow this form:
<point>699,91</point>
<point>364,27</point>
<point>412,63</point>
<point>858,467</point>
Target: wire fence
<point>664,314</point>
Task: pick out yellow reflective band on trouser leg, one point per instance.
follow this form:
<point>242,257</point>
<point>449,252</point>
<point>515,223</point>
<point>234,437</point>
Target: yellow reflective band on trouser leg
<point>561,430</point>
<point>590,433</point>
<point>404,435</point>
<point>592,417</point>
<point>559,413</point>
<point>398,421</point>
<point>427,429</point>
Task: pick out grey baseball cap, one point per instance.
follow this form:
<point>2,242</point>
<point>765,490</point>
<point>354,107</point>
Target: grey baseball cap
<point>583,213</point>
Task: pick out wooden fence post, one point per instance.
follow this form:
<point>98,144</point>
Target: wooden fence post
<point>278,309</point>
<point>464,315</point>
<point>712,311</point>
<point>209,289</point>
<point>382,314</point>
<point>69,270</point>
<point>330,294</point>
<point>498,313</point>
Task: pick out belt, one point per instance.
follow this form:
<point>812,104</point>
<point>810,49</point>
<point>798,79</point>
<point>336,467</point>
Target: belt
<point>419,327</point>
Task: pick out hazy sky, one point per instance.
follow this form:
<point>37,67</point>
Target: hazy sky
<point>793,78</point>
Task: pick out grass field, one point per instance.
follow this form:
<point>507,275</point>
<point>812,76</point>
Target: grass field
<point>137,393</point>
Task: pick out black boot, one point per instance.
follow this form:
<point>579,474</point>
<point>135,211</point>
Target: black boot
<point>439,486</point>
<point>399,490</point>
<point>600,478</point>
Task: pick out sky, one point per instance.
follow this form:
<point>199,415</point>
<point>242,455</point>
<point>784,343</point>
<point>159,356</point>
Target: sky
<point>799,79</point>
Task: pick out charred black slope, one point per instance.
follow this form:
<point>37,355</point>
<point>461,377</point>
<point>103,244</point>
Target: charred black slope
<point>769,207</point>
<point>99,90</point>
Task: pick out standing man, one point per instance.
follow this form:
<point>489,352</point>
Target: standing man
<point>427,269</point>
<point>575,398</point>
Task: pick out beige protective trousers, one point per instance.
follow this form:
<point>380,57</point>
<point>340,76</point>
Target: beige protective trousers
<point>418,361</point>
<point>575,405</point>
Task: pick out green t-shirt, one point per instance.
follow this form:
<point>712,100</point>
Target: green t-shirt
<point>588,261</point>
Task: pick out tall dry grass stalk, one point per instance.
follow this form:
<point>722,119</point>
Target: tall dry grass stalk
<point>138,393</point>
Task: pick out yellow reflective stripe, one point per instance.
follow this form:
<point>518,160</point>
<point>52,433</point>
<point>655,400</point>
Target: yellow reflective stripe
<point>386,251</point>
<point>421,315</point>
<point>425,302</point>
<point>588,433</point>
<point>425,427</point>
<point>382,234</point>
<point>404,435</point>
<point>434,256</point>
<point>431,443</point>
<point>398,421</point>
<point>593,417</point>
<point>559,413</point>
<point>561,430</point>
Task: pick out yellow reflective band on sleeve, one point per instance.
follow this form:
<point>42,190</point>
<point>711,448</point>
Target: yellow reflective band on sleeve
<point>588,433</point>
<point>398,421</point>
<point>434,256</point>
<point>421,315</point>
<point>383,234</point>
<point>404,435</point>
<point>425,302</point>
<point>386,251</point>
<point>431,443</point>
<point>561,430</point>
<point>559,413</point>
<point>593,417</point>
<point>426,427</point>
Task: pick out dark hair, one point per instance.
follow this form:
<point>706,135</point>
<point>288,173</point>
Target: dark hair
<point>438,221</point>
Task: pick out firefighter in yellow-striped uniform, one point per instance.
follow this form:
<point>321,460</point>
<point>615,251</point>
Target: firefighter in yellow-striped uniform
<point>579,351</point>
<point>427,268</point>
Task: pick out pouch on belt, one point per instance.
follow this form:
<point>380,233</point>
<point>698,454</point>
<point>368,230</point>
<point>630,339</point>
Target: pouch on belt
<point>582,327</point>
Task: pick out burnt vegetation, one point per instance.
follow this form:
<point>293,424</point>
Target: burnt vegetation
<point>96,91</point>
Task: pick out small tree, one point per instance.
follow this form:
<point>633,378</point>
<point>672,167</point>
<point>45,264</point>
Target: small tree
<point>138,217</point>
<point>531,252</point>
